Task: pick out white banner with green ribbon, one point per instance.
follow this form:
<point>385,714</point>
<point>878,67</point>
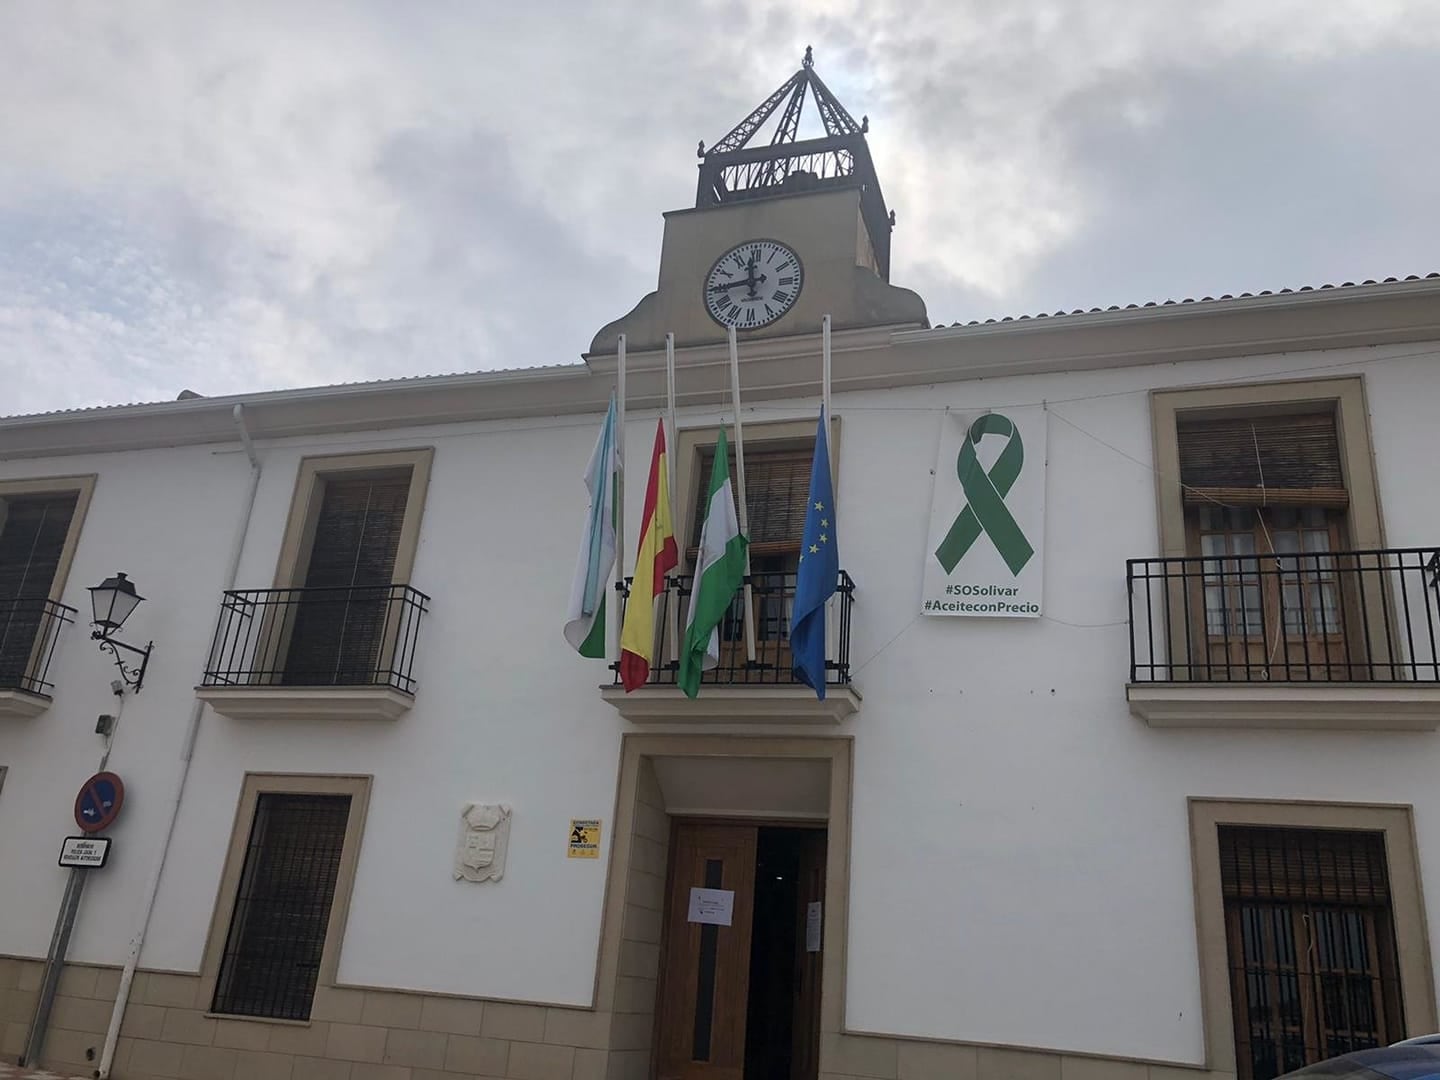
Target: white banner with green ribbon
<point>985,551</point>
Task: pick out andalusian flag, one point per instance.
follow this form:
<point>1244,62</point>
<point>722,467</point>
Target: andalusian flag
<point>719,572</point>
<point>656,556</point>
<point>585,621</point>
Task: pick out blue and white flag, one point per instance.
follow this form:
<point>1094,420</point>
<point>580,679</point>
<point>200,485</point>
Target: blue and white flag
<point>585,618</point>
<point>819,572</point>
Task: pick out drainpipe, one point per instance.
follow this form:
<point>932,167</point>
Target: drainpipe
<point>187,748</point>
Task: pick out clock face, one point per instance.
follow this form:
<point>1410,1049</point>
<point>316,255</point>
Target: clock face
<point>754,284</point>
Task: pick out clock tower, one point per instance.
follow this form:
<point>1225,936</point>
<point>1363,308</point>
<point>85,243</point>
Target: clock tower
<point>781,234</point>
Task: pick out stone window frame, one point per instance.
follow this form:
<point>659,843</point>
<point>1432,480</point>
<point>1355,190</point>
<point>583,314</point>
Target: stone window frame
<point>223,911</point>
<point>692,442</point>
<point>1346,394</point>
<point>84,488</point>
<point>305,503</point>
<point>1395,821</point>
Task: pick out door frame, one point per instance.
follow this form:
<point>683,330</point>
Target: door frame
<point>627,853</point>
<point>677,821</point>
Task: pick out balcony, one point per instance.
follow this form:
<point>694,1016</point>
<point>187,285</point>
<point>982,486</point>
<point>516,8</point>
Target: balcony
<point>1322,640</point>
<point>338,653</point>
<point>740,690</point>
<point>29,630</point>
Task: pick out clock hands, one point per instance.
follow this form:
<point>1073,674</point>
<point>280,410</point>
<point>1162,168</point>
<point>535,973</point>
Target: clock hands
<point>751,281</point>
<point>760,280</point>
<point>750,278</point>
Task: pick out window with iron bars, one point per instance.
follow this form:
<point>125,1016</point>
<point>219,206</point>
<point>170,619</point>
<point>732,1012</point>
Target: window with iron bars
<point>282,908</point>
<point>1314,970</point>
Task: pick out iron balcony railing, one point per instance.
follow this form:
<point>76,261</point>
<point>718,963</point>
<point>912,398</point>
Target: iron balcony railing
<point>1345,616</point>
<point>359,635</point>
<point>773,598</point>
<point>29,630</point>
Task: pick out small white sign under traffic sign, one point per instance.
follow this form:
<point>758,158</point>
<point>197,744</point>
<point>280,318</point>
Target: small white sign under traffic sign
<point>85,852</point>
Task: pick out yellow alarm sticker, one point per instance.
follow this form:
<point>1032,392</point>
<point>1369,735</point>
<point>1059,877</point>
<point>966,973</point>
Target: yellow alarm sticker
<point>584,839</point>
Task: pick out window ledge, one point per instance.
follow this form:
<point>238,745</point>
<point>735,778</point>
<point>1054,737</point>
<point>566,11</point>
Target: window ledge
<point>306,702</point>
<point>734,705</point>
<point>1293,706</point>
<point>22,703</point>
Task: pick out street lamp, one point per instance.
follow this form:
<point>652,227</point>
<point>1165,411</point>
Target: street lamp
<point>112,601</point>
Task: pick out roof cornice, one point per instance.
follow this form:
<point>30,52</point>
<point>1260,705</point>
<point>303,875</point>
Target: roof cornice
<point>774,368</point>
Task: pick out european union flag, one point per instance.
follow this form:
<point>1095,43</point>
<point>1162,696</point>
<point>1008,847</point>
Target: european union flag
<point>819,572</point>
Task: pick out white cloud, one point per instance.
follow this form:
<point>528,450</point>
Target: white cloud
<point>240,195</point>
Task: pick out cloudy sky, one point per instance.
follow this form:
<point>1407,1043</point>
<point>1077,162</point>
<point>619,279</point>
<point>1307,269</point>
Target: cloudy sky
<point>241,196</point>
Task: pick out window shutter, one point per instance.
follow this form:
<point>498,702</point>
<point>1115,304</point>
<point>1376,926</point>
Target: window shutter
<point>777,483</point>
<point>287,885</point>
<point>357,533</point>
<point>31,539</point>
<point>339,627</point>
<point>1306,865</point>
<point>31,542</point>
<point>1262,460</point>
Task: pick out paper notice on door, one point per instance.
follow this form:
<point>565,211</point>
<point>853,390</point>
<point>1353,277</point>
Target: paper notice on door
<point>713,906</point>
<point>812,926</point>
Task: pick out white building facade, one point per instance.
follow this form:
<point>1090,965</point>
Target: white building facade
<point>1176,824</point>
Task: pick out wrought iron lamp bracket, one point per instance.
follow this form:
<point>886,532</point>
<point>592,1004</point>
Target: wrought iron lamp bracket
<point>131,676</point>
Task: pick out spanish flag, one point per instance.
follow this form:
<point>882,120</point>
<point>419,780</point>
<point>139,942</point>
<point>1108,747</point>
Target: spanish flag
<point>656,556</point>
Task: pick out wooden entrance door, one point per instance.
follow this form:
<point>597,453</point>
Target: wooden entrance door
<point>705,974</point>
<point>809,945</point>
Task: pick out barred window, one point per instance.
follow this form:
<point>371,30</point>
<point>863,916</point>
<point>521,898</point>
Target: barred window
<point>277,931</point>
<point>1311,943</point>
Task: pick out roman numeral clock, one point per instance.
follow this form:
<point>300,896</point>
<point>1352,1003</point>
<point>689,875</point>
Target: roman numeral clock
<point>753,284</point>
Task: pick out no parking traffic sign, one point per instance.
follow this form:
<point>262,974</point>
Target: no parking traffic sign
<point>98,804</point>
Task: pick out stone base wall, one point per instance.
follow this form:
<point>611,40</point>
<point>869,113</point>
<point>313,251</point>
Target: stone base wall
<point>878,1057</point>
<point>352,1034</point>
<point>392,1035</point>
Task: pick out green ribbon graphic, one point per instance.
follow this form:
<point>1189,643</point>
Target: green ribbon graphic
<point>986,510</point>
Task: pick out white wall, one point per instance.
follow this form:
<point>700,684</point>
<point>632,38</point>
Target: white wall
<point>1020,856</point>
<point>1020,859</point>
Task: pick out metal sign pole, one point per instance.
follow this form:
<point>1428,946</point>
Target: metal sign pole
<point>54,964</point>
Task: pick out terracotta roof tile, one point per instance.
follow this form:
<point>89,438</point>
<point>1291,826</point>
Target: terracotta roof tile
<point>1188,300</point>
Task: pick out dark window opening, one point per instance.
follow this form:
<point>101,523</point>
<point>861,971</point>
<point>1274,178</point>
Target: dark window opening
<point>1314,970</point>
<point>341,618</point>
<point>287,885</point>
<point>33,529</point>
<point>777,484</point>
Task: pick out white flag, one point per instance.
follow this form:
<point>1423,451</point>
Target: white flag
<point>585,620</point>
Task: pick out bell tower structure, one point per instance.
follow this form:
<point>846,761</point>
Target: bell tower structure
<point>782,233</point>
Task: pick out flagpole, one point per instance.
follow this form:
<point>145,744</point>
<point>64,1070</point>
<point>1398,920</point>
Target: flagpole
<point>672,600</point>
<point>619,490</point>
<point>741,506</point>
<point>830,624</point>
<point>825,380</point>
